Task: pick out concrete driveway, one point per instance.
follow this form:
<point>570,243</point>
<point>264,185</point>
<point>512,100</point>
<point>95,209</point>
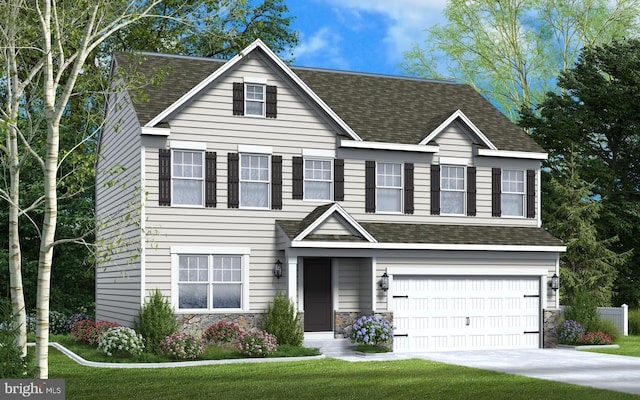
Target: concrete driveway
<point>603,371</point>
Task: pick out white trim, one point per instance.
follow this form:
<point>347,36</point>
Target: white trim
<point>183,145</point>
<point>318,153</point>
<point>512,154</point>
<point>538,198</point>
<point>235,60</point>
<point>209,250</point>
<point>148,130</point>
<point>249,148</point>
<point>374,278</point>
<point>419,148</point>
<point>335,286</point>
<point>510,271</point>
<point>425,246</point>
<point>459,114</point>
<point>456,161</point>
<point>255,80</point>
<point>334,208</point>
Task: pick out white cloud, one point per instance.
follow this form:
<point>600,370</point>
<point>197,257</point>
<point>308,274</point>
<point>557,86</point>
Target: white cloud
<point>323,44</point>
<point>405,20</point>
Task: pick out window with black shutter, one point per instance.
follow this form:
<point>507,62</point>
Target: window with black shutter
<point>272,102</point>
<point>435,189</point>
<point>298,178</point>
<point>164,177</point>
<point>210,179</point>
<point>531,194</point>
<point>471,191</point>
<point>496,192</point>
<point>238,98</point>
<point>370,186</point>
<point>408,188</point>
<point>276,182</point>
<point>233,177</point>
<point>338,179</point>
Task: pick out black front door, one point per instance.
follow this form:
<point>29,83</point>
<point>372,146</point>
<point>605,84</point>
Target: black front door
<point>318,309</point>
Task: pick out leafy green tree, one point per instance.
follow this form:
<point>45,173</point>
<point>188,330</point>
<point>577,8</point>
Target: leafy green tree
<point>596,117</point>
<point>512,50</point>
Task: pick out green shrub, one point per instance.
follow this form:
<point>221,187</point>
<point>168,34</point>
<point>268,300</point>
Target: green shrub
<point>12,363</point>
<point>610,329</point>
<point>583,309</point>
<point>156,321</point>
<point>282,321</point>
<point>634,322</point>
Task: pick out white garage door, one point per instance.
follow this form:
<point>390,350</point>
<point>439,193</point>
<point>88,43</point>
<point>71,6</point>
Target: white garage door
<point>433,313</point>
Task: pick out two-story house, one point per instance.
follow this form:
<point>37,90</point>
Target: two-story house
<point>224,182</point>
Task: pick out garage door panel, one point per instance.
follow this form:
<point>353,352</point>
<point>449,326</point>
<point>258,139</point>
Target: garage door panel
<point>446,313</point>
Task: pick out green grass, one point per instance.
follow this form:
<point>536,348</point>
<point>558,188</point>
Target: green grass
<point>316,379</point>
<point>629,346</point>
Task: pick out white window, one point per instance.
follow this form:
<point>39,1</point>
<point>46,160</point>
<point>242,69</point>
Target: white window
<point>210,281</point>
<point>317,179</point>
<point>389,187</point>
<point>254,99</point>
<point>187,177</point>
<point>254,180</point>
<point>452,189</point>
<point>513,193</point>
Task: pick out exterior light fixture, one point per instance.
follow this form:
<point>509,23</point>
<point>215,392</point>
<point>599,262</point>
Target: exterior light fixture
<point>555,282</point>
<point>384,282</point>
<point>277,269</point>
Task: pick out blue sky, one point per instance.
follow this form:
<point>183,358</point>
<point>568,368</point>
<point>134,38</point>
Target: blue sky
<point>360,35</point>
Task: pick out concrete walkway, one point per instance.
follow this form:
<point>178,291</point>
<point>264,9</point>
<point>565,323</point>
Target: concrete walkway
<point>603,371</point>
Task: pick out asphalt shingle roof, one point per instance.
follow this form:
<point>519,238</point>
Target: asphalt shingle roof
<point>378,108</point>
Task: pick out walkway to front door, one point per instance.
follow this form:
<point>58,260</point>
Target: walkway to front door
<point>318,309</point>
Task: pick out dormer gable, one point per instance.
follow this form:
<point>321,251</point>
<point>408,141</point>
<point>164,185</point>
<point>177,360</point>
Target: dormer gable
<point>478,136</point>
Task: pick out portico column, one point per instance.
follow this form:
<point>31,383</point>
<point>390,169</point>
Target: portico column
<point>292,279</point>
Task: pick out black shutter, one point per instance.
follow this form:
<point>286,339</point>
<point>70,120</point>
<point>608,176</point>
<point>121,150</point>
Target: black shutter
<point>164,177</point>
<point>435,190</point>
<point>233,176</point>
<point>370,186</point>
<point>408,188</point>
<point>276,182</point>
<point>338,179</point>
<point>471,191</point>
<point>210,179</point>
<point>496,192</point>
<point>272,102</point>
<point>531,193</point>
<point>298,178</point>
<point>238,98</point>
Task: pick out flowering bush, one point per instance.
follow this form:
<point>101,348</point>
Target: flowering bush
<point>57,323</point>
<point>120,339</point>
<point>371,330</point>
<point>256,343</point>
<point>569,332</point>
<point>595,338</point>
<point>75,318</point>
<point>221,334</point>
<point>88,331</point>
<point>181,346</point>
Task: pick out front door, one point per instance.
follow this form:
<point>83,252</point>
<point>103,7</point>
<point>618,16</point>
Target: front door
<point>318,309</point>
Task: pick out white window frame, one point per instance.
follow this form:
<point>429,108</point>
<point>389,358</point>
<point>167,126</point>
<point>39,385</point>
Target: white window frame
<point>504,192</point>
<point>463,190</point>
<point>241,181</point>
<point>194,150</point>
<point>262,102</point>
<point>210,252</point>
<point>399,188</point>
<point>305,179</point>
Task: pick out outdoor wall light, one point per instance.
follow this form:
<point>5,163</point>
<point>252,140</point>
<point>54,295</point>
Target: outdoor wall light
<point>384,282</point>
<point>277,269</point>
<point>555,282</point>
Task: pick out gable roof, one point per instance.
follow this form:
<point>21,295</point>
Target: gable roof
<point>370,107</point>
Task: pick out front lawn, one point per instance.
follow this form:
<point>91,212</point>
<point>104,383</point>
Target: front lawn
<point>317,379</point>
<point>629,346</point>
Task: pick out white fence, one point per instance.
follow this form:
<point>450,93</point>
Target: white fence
<point>618,315</point>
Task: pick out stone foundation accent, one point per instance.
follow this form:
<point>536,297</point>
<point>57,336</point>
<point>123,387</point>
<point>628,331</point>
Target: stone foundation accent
<point>196,324</point>
<point>550,321</point>
<point>344,319</point>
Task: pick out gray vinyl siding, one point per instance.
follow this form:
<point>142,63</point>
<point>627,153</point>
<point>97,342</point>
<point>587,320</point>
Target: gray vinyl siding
<point>208,118</point>
<point>118,205</point>
<point>354,284</point>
